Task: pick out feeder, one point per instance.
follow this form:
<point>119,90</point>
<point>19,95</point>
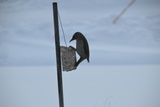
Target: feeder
<point>68,58</point>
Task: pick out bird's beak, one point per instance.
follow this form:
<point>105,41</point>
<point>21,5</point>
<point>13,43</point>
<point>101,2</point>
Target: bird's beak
<point>71,40</point>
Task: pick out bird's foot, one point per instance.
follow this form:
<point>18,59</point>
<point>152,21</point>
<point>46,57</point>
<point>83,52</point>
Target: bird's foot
<point>72,48</point>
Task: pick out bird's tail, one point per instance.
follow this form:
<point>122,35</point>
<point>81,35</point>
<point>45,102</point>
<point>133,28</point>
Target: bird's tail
<point>88,60</point>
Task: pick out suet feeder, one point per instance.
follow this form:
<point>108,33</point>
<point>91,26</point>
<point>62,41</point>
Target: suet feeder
<point>68,57</point>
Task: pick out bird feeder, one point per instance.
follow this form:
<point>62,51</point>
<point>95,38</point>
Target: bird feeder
<point>68,57</point>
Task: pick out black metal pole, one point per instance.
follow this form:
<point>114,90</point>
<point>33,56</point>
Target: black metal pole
<point>57,44</point>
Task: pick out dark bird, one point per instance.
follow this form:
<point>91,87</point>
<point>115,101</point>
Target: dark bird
<point>82,47</point>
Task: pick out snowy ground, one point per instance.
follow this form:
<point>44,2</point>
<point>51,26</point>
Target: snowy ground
<point>88,86</point>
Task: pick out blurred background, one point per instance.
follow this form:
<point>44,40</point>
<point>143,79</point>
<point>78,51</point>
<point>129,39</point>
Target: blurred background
<point>27,31</point>
<point>124,68</point>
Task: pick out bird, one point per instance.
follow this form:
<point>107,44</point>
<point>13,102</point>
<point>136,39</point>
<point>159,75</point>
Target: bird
<point>82,47</point>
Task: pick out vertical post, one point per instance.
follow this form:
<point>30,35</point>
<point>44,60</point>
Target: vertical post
<point>58,57</point>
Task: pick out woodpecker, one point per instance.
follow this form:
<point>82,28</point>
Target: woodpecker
<point>82,47</point>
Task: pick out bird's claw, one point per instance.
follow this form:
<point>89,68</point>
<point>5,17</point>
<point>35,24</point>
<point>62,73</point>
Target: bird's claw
<point>72,48</point>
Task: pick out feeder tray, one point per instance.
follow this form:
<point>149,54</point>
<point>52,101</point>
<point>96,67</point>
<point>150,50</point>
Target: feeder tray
<point>68,57</point>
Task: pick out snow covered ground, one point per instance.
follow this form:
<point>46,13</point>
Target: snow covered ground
<point>88,86</point>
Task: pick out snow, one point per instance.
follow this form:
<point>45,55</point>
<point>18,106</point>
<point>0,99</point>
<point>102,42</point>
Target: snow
<point>88,86</point>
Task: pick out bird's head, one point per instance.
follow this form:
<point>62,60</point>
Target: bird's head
<point>76,36</point>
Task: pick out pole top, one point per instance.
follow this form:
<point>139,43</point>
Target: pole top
<point>54,2</point>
